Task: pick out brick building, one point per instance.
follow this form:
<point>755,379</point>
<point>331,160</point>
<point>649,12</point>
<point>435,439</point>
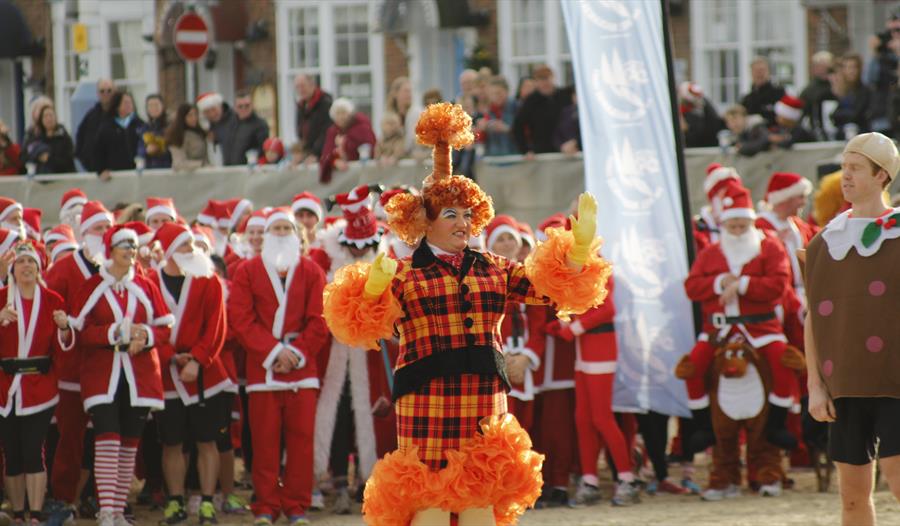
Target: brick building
<point>356,47</point>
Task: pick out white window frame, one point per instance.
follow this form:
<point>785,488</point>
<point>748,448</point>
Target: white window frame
<point>554,28</point>
<point>327,50</point>
<point>700,68</point>
<point>97,15</point>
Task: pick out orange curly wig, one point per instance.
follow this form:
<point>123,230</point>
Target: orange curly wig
<point>442,126</point>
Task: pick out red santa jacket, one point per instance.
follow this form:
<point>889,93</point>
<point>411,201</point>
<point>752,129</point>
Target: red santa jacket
<point>705,229</point>
<point>596,350</point>
<point>557,368</point>
<point>199,329</point>
<point>519,339</point>
<point>267,319</point>
<point>100,307</point>
<point>66,277</point>
<point>35,335</point>
<point>762,284</point>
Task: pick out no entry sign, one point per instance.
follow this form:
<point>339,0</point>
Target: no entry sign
<point>191,37</point>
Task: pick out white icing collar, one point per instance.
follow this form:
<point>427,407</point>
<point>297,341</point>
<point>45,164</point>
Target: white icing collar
<point>845,232</point>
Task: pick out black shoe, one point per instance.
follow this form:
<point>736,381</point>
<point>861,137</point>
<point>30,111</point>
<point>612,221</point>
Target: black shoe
<point>703,436</point>
<point>776,432</point>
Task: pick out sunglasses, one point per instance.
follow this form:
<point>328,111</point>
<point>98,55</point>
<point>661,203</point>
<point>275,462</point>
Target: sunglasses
<point>127,245</point>
<point>106,90</point>
<point>242,106</point>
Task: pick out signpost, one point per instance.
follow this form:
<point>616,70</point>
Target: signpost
<point>191,43</point>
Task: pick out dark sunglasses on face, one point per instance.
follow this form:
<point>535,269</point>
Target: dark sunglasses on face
<point>127,245</point>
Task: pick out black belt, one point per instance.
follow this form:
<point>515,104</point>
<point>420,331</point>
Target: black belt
<point>38,365</point>
<point>601,329</point>
<point>119,347</point>
<point>719,320</point>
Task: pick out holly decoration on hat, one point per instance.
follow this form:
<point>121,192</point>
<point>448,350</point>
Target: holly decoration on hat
<point>873,230</point>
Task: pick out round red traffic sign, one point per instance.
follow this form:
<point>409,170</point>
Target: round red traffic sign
<point>191,36</point>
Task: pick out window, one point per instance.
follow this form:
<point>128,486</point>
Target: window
<point>125,65</point>
<point>334,42</point>
<point>76,65</point>
<point>533,32</point>
<point>723,48</point>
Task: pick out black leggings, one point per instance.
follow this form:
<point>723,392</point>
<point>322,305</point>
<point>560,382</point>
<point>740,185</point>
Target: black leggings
<point>119,416</point>
<point>22,439</point>
<point>654,427</point>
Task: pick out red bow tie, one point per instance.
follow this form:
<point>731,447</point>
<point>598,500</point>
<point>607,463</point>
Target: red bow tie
<point>455,260</point>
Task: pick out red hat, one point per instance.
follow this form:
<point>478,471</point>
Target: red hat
<point>144,232</point>
<point>72,198</point>
<point>118,234</point>
<point>737,203</point>
<point>257,218</point>
<point>161,205</point>
<point>8,206</point>
<point>210,213</point>
<point>527,233</point>
<point>789,107</point>
<point>307,201</point>
<point>171,236</point>
<point>690,92</point>
<point>362,228</point>
<point>32,219</point>
<point>557,220</point>
<point>232,210</point>
<point>785,185</point>
<point>203,234</point>
<point>273,144</point>
<point>718,177</point>
<point>277,214</point>
<point>331,220</point>
<point>93,212</point>
<point>386,196</point>
<point>7,238</point>
<point>502,223</point>
<point>208,100</point>
<point>63,238</point>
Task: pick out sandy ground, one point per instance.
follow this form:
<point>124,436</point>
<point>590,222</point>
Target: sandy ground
<point>802,506</point>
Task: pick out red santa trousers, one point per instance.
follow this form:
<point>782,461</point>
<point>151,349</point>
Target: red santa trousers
<point>274,414</point>
<point>71,421</point>
<point>554,436</point>
<point>594,419</point>
<point>523,410</point>
<point>782,378</point>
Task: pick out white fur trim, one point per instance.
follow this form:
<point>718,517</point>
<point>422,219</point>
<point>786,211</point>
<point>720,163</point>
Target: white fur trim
<point>11,238</point>
<point>275,385</point>
<point>62,344</point>
<point>802,187</point>
<point>845,232</point>
<point>786,401</point>
<point>86,223</point>
<point>112,335</point>
<point>361,243</point>
<point>279,215</point>
<point>72,202</point>
<point>577,328</point>
<point>717,176</point>
<point>301,358</point>
<point>307,204</point>
<point>58,248</point>
<point>532,356</point>
<point>717,283</point>
<point>124,234</point>
<point>699,403</point>
<point>161,209</point>
<point>272,356</point>
<point>151,340</point>
<point>731,213</point>
<point>209,100</point>
<point>182,238</point>
<point>206,219</point>
<point>238,211</point>
<point>500,230</point>
<point>608,367</point>
<point>256,221</point>
<point>72,387</point>
<point>9,209</point>
<point>788,112</point>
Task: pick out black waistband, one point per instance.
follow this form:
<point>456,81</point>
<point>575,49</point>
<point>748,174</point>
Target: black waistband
<point>747,318</point>
<point>37,365</point>
<point>470,360</point>
<point>601,329</point>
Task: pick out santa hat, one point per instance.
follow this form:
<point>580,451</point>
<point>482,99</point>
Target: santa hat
<point>72,198</point>
<point>203,234</point>
<point>63,238</point>
<point>273,144</point>
<point>789,107</point>
<point>277,214</point>
<point>210,213</point>
<point>501,224</point>
<point>161,205</point>
<point>737,203</point>
<point>257,218</point>
<point>307,201</point>
<point>118,234</point>
<point>557,220</point>
<point>32,219</point>
<point>233,210</point>
<point>527,234</point>
<point>331,221</point>
<point>7,207</point>
<point>7,238</point>
<point>27,249</point>
<point>171,236</point>
<point>785,185</point>
<point>144,232</point>
<point>209,100</point>
<point>718,177</point>
<point>93,212</point>
<point>386,196</point>
<point>362,228</point>
<point>690,92</point>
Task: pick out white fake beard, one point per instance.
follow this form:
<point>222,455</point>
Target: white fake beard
<point>221,242</point>
<point>739,250</point>
<point>95,249</point>
<point>194,263</point>
<point>280,251</point>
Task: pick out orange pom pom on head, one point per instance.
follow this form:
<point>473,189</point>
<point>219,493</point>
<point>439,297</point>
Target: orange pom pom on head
<point>442,126</point>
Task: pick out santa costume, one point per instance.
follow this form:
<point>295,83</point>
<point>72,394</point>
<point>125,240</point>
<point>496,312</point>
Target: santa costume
<point>307,202</point>
<point>760,265</point>
<point>70,207</point>
<point>706,223</point>
<point>60,240</point>
<point>275,308</point>
<point>160,210</point>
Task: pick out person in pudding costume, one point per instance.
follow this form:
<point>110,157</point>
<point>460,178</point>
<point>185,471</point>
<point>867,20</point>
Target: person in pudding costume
<point>459,451</point>
<point>851,335</point>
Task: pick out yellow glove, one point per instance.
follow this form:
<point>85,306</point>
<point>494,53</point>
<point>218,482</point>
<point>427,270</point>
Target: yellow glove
<point>380,275</point>
<point>584,228</point>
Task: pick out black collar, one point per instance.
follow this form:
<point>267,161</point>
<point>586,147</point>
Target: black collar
<point>424,257</point>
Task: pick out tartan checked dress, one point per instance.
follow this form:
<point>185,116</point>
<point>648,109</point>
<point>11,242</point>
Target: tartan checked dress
<point>450,373</point>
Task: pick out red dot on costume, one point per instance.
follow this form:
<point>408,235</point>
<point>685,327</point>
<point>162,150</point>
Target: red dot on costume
<point>826,307</point>
<point>879,221</point>
<point>877,288</point>
<point>827,367</point>
<point>874,344</point>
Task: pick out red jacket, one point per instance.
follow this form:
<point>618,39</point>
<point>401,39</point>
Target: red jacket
<point>357,133</point>
<point>13,165</point>
<point>762,284</point>
<point>34,335</point>
<point>596,350</point>
<point>267,320</point>
<point>66,277</point>
<point>557,369</point>
<point>533,318</point>
<point>99,310</point>
<point>199,329</point>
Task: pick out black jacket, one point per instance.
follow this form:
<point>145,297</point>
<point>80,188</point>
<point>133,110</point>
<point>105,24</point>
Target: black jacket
<point>58,145</point>
<point>116,147</point>
<point>818,91</point>
<point>536,122</point>
<point>854,107</point>
<point>703,125</point>
<point>86,136</point>
<point>247,134</point>
<point>761,100</point>
<point>312,123</point>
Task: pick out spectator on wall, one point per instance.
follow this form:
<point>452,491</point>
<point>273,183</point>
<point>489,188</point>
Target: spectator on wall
<point>392,144</point>
<point>221,119</point>
<point>117,140</point>
<point>749,133</point>
<point>523,90</point>
<point>37,105</point>
<point>817,91</point>
<point>854,98</point>
<point>89,128</point>
<point>153,142</point>
<point>468,81</point>
<point>567,137</point>
<point>312,119</point>
<point>10,162</point>
<point>187,139</point>
<point>788,129</point>
<point>700,122</point>
<point>881,73</point>
<point>51,149</point>
<point>536,120</point>
<point>494,126</point>
<point>350,131</point>
<point>400,101</point>
<point>763,93</point>
<point>249,133</point>
<point>432,96</point>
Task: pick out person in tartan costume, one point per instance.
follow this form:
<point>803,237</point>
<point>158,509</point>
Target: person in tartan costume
<point>459,451</point>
